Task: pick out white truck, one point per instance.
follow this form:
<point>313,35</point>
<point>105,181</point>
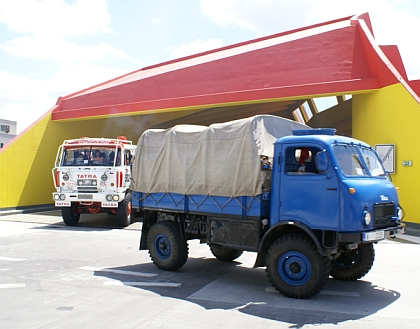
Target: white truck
<point>92,175</point>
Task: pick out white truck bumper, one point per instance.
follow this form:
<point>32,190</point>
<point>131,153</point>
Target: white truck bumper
<point>107,200</point>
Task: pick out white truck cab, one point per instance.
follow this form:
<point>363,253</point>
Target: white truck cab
<point>92,175</point>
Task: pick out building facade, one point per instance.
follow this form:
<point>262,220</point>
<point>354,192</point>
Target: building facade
<point>8,130</point>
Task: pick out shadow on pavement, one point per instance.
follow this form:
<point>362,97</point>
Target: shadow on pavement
<point>87,222</point>
<point>213,284</point>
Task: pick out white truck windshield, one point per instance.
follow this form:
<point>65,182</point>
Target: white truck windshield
<point>358,161</point>
<point>90,156</point>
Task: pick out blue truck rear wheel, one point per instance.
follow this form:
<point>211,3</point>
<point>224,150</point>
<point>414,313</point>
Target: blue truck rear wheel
<point>295,268</point>
<point>167,249</point>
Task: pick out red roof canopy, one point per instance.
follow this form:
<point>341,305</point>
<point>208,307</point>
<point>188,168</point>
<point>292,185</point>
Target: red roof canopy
<point>335,57</point>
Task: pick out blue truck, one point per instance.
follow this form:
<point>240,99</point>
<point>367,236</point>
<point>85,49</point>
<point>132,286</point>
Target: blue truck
<point>312,208</point>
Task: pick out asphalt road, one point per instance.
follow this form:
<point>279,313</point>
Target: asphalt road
<point>94,276</point>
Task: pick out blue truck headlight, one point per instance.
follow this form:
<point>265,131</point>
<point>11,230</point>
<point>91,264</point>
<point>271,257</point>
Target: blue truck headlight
<point>366,217</point>
<point>400,213</point>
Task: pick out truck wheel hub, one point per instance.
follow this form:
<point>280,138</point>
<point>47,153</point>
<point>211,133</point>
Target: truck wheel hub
<point>295,267</point>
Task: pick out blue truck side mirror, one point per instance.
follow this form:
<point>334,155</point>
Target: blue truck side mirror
<point>321,161</point>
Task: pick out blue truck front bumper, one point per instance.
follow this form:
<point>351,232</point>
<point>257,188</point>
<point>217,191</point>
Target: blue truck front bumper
<point>371,236</point>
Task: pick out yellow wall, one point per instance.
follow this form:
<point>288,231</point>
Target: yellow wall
<point>23,165</point>
<point>391,116</point>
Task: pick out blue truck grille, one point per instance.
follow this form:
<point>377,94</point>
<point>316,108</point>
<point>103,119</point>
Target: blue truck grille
<point>383,213</point>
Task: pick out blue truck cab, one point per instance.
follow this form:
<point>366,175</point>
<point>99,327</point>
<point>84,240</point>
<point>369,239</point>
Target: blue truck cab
<point>333,185</point>
<point>329,202</point>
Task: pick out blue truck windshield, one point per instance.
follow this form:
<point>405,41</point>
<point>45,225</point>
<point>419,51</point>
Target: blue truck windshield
<point>358,161</point>
<point>373,163</point>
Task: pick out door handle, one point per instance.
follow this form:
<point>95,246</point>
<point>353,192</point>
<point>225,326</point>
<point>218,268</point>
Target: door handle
<point>331,189</point>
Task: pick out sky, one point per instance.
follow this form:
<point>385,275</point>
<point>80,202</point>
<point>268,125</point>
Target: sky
<point>53,48</point>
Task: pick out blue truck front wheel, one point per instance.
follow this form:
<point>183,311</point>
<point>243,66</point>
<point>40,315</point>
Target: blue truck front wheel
<point>295,268</point>
<point>167,249</point>
<point>353,264</point>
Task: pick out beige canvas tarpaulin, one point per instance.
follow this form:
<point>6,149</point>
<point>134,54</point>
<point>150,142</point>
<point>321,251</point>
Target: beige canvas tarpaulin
<point>222,159</point>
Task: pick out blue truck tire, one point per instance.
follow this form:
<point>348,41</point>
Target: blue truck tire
<point>223,253</point>
<point>353,264</point>
<point>295,268</point>
<point>167,249</point>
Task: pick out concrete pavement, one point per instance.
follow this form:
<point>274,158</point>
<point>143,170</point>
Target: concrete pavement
<point>94,276</point>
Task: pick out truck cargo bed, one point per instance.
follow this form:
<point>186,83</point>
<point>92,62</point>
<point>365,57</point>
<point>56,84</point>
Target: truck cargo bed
<point>241,206</point>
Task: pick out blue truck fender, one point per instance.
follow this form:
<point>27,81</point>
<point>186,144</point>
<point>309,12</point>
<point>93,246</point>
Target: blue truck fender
<point>280,229</point>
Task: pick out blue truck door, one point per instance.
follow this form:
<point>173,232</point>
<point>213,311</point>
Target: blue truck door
<point>306,195</point>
